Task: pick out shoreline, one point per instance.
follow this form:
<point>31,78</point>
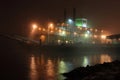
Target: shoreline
<point>105,71</point>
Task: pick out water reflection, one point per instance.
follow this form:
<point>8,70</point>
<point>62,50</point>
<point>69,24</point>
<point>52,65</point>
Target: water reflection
<point>33,69</point>
<point>105,58</point>
<point>85,61</point>
<point>44,67</point>
<point>50,72</point>
<point>62,67</point>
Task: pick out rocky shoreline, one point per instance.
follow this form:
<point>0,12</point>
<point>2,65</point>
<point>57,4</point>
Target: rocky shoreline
<point>105,71</point>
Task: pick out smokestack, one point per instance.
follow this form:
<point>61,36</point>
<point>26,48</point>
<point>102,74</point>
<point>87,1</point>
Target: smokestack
<point>74,14</point>
<point>65,14</point>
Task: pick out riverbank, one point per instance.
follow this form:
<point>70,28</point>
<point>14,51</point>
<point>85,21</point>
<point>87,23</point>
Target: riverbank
<point>105,71</point>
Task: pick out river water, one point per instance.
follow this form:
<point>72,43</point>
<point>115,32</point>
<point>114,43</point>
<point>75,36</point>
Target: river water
<point>18,62</point>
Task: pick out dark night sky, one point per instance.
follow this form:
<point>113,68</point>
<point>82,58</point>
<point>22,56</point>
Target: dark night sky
<point>16,16</point>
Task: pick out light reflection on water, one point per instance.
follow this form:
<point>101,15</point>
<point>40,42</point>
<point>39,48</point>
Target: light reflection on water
<point>33,69</point>
<point>44,68</point>
<point>105,58</point>
<point>50,70</point>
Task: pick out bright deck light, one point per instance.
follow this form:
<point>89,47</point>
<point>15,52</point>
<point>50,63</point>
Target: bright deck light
<point>34,26</point>
<point>86,35</point>
<point>103,36</point>
<point>70,21</point>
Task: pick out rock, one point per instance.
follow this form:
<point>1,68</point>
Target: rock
<point>105,71</point>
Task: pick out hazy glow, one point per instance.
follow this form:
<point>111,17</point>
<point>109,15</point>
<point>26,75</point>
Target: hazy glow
<point>51,31</point>
<point>51,26</point>
<point>33,69</point>
<point>103,36</point>
<point>84,25</point>
<point>34,26</point>
<point>33,30</point>
<point>86,35</point>
<point>50,69</point>
<point>60,30</point>
<point>85,61</point>
<point>62,67</point>
<point>62,33</point>
<point>42,37</point>
<point>66,42</point>
<point>59,41</point>
<point>105,58</point>
<point>75,33</point>
<point>88,32</point>
<point>70,21</point>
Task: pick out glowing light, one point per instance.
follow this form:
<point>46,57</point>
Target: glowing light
<point>75,33</point>
<point>86,35</point>
<point>34,26</point>
<point>51,31</point>
<point>84,25</point>
<point>70,21</point>
<point>51,26</point>
<point>66,42</point>
<point>59,41</point>
<point>88,32</point>
<point>62,33</point>
<point>33,30</point>
<point>60,30</point>
<point>103,36</point>
<point>42,37</point>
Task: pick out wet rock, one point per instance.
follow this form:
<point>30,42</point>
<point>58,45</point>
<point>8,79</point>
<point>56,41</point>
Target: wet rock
<point>105,71</point>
